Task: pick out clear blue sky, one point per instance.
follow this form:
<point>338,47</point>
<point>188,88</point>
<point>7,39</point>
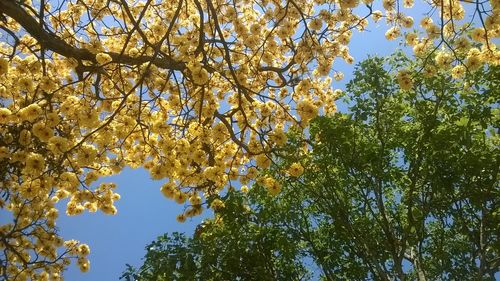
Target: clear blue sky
<point>144,214</point>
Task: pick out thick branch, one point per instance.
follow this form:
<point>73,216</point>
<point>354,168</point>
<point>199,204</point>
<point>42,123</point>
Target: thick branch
<point>54,43</point>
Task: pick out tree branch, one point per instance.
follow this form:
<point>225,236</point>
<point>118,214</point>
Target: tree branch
<point>54,43</point>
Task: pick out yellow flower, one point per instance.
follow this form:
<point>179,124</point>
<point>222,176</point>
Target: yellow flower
<point>108,209</point>
<point>195,200</point>
<point>272,185</point>
<point>180,197</point>
<point>30,113</point>
<point>392,33</point>
<point>42,132</point>
<point>86,155</point>
<point>411,39</point>
<point>181,218</point>
<point>26,83</point>
<point>473,62</point>
<point>252,172</point>
<point>52,119</point>
<point>279,137</point>
<point>30,189</point>
<point>133,52</point>
<point>25,138</point>
<point>295,170</point>
<point>217,204</point>
<point>429,71</point>
<point>407,21</point>
<point>47,84</point>
<point>35,163</point>
<point>405,80</point>
<point>349,4</point>
<point>316,23</point>
<point>58,144</point>
<point>338,75</point>
<point>4,152</point>
<point>103,58</point>
<point>443,59</point>
<point>5,114</point>
<point>83,250</point>
<point>458,71</point>
<point>262,161</point>
<point>91,177</point>
<point>83,264</point>
<point>478,34</point>
<point>307,110</point>
<point>4,66</point>
<point>408,3</point>
<point>168,190</point>
<point>158,171</point>
<point>426,22</point>
<point>92,207</point>
<point>377,15</point>
<point>200,76</point>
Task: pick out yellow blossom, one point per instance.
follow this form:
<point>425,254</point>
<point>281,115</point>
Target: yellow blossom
<point>4,66</point>
<point>103,58</point>
<point>295,170</point>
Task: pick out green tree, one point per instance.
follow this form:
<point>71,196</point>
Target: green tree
<point>404,186</point>
<point>240,244</point>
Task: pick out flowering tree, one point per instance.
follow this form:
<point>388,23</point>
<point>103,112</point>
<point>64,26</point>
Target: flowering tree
<point>198,92</point>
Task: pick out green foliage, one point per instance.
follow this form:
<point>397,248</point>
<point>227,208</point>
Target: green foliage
<point>170,257</point>
<point>410,178</point>
<point>240,244</point>
<point>404,186</point>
